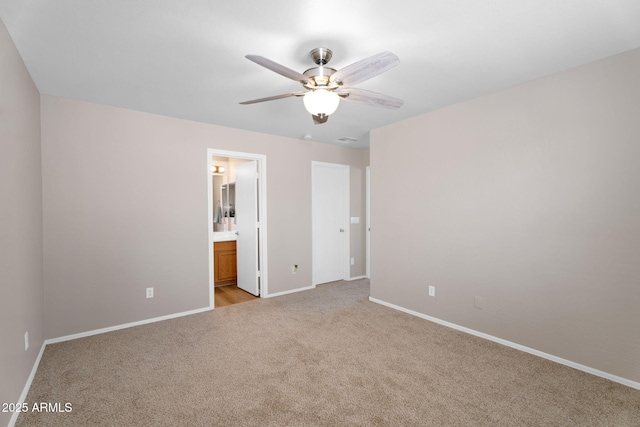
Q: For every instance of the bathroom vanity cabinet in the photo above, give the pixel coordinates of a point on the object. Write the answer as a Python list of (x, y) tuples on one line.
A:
[(224, 263)]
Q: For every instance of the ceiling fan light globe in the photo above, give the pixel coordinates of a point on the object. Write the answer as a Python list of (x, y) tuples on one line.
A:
[(321, 102)]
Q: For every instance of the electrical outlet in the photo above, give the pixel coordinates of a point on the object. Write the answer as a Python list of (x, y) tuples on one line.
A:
[(432, 291), (294, 269), (149, 292), (353, 261), (26, 341)]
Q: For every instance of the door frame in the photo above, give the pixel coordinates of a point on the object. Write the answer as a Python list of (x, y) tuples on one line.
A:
[(346, 247), (261, 159), (367, 229)]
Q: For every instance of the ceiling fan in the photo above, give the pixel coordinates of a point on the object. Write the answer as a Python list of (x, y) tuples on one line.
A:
[(326, 86)]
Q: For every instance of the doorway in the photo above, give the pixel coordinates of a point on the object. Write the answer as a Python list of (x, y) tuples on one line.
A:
[(330, 220), (237, 226)]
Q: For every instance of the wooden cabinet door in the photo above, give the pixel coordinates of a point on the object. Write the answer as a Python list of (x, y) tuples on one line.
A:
[(224, 264)]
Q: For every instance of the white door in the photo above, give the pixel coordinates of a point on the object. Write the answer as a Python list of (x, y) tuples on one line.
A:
[(330, 218), (247, 226)]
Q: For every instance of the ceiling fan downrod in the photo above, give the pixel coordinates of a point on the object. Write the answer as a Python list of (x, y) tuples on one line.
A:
[(319, 76)]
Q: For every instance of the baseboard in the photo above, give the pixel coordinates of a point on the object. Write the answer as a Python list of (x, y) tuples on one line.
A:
[(125, 326), (529, 350), (292, 291), (27, 386), (308, 288)]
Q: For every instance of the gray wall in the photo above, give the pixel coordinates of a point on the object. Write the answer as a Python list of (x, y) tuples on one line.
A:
[(529, 199), (21, 277), (125, 208)]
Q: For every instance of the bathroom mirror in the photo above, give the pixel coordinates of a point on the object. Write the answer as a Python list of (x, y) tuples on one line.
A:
[(224, 212), (228, 192)]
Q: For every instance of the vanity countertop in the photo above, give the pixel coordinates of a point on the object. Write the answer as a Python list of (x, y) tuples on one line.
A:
[(224, 236)]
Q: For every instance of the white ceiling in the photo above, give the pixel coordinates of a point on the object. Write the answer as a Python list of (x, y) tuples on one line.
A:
[(186, 58)]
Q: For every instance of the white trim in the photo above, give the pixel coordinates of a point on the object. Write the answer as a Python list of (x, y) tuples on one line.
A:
[(292, 291), (346, 218), (350, 279), (262, 208), (520, 347), (124, 326), (27, 386), (210, 223), (367, 226)]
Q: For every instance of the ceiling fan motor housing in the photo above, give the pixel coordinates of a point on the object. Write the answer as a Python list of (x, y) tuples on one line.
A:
[(319, 76)]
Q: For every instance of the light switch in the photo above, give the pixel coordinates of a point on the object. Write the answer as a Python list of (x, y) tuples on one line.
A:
[(478, 302), (355, 220)]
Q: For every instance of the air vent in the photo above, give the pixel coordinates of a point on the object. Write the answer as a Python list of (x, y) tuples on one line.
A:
[(347, 139)]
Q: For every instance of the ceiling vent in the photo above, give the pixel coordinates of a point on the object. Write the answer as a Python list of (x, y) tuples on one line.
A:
[(347, 139)]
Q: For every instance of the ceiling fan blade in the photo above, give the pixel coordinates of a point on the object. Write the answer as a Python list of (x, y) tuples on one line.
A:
[(318, 120), (365, 69), (273, 98), (367, 97), (280, 69)]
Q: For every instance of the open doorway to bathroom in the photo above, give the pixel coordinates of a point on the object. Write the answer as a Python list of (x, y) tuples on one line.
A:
[(237, 232)]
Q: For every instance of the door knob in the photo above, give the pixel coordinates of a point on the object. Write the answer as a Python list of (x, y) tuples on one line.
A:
[(342, 230)]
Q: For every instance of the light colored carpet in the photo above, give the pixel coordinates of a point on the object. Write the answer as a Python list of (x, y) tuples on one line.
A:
[(325, 357)]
